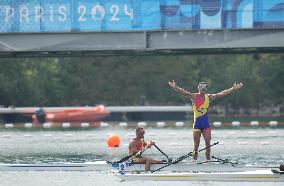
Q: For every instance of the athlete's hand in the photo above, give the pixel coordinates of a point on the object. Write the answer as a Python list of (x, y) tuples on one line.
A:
[(151, 143), (172, 83), (237, 86)]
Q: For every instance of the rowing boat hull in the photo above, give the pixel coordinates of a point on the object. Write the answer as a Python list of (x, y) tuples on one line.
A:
[(246, 176), (190, 167), (128, 167)]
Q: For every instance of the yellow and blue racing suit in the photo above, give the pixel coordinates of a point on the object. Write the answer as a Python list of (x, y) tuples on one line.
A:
[(200, 111)]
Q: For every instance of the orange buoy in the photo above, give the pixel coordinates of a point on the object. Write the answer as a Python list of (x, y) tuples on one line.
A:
[(113, 141)]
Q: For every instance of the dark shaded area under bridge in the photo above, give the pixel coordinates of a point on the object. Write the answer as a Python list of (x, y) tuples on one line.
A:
[(141, 43)]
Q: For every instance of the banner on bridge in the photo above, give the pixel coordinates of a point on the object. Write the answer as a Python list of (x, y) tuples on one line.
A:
[(131, 15)]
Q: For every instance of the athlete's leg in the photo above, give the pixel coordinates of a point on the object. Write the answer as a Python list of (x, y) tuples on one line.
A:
[(147, 162), (196, 139), (206, 133), (156, 161), (141, 160)]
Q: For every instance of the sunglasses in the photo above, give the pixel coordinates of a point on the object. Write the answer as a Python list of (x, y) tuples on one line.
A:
[(203, 86)]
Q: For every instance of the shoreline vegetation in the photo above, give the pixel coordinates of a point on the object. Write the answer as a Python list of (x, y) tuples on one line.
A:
[(143, 80)]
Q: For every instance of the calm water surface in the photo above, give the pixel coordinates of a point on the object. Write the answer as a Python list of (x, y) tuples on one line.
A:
[(257, 146)]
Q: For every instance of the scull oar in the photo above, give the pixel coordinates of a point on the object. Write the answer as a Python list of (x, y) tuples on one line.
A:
[(183, 157), (224, 160), (169, 159), (122, 159), (139, 153), (131, 157)]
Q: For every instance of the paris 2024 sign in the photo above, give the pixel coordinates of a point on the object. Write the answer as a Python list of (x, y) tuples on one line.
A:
[(132, 15)]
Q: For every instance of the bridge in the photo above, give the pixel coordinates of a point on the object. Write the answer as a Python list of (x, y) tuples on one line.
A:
[(62, 28)]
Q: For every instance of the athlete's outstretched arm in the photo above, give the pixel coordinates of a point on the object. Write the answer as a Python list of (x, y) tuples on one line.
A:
[(181, 90), (235, 87)]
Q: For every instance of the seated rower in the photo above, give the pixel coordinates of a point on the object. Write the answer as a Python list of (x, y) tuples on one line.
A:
[(138, 144), (281, 168)]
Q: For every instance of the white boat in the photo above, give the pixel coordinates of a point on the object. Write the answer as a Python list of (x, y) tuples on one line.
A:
[(244, 176), (128, 167)]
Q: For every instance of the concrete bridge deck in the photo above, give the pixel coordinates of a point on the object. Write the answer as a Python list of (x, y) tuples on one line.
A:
[(141, 42)]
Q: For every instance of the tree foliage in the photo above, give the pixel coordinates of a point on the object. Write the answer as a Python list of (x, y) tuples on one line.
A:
[(138, 80)]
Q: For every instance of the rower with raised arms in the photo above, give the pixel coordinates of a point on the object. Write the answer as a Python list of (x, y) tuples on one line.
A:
[(200, 105), (137, 144)]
